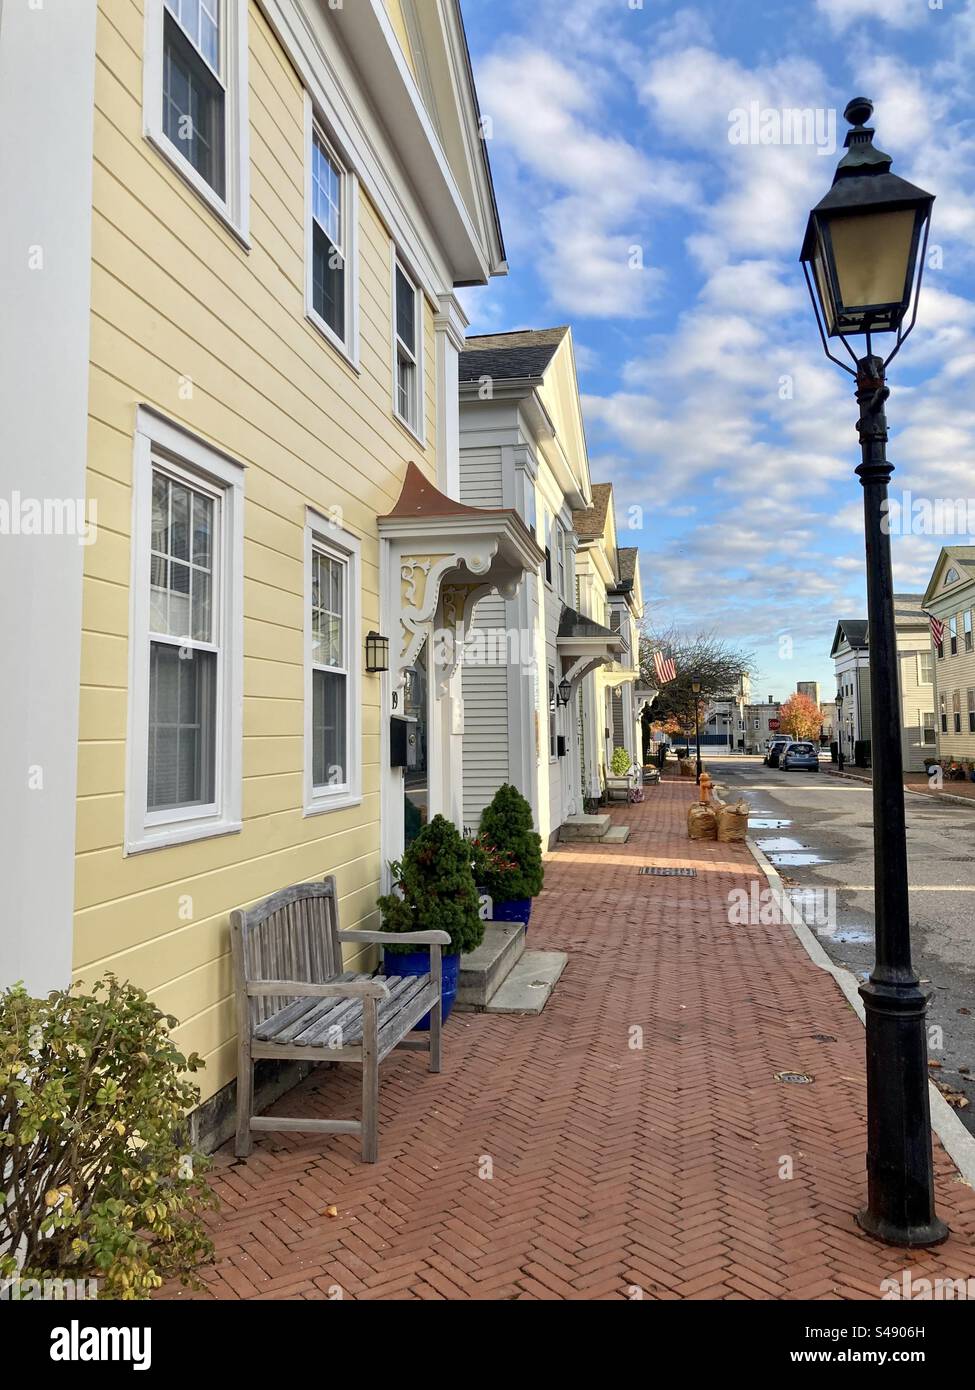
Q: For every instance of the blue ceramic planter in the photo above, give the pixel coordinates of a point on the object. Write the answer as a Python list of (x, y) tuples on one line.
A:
[(418, 963), (517, 910)]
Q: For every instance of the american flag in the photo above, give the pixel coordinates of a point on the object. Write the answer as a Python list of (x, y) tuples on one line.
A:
[(664, 667), (937, 630)]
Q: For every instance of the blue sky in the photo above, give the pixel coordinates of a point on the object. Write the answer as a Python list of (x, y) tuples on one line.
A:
[(671, 249)]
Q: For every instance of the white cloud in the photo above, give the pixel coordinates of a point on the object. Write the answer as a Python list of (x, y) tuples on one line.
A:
[(899, 14)]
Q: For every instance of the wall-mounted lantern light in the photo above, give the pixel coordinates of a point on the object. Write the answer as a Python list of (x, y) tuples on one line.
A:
[(565, 691), (377, 652)]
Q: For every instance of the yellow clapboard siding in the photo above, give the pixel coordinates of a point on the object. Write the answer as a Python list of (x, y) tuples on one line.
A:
[(215, 337)]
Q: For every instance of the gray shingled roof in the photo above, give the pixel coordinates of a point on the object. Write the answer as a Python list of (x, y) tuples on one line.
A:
[(908, 609), (627, 558), (591, 523), (526, 352), (505, 364), (854, 630)]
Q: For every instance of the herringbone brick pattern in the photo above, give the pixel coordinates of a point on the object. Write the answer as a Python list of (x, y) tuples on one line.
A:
[(569, 1156)]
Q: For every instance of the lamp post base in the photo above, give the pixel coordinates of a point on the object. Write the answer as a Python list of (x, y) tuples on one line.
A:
[(910, 1237), (900, 1206)]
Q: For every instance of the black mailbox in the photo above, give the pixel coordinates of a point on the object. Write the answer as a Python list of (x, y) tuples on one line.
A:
[(402, 741), (560, 745)]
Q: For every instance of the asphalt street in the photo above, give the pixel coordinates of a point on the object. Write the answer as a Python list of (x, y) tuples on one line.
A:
[(818, 831)]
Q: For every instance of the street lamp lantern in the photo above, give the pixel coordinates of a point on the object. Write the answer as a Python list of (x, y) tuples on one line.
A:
[(696, 687), (862, 240), (862, 256)]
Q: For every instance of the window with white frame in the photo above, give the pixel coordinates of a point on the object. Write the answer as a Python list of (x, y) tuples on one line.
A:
[(928, 735), (953, 634), (333, 769), (956, 711), (195, 97), (408, 395), (925, 674), (943, 709), (560, 545), (186, 640), (553, 716), (967, 624), (547, 533), (330, 241), (971, 710)]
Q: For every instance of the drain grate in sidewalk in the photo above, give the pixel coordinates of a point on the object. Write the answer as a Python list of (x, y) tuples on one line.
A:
[(666, 872)]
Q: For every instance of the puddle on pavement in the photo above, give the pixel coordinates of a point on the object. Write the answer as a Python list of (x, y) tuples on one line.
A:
[(767, 823), (797, 859), (783, 850)]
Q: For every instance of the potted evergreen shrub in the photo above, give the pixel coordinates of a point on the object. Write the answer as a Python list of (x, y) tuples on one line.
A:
[(434, 891), (620, 778), (507, 825)]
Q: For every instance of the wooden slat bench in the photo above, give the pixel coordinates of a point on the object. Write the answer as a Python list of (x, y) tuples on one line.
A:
[(295, 1002)]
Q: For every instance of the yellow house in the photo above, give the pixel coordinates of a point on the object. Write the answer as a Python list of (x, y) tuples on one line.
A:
[(950, 597), (232, 330), (609, 592)]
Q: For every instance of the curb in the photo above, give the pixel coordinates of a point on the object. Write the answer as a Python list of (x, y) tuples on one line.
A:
[(955, 1138), (932, 796)]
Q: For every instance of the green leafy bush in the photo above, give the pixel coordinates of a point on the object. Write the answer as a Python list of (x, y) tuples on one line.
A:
[(621, 762), (507, 824), (436, 890), (94, 1179)]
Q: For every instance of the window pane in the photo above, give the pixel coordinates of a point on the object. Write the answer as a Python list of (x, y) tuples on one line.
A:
[(181, 588), (326, 182), (405, 311), (182, 712), (193, 107), (328, 729), (406, 389), (328, 281)]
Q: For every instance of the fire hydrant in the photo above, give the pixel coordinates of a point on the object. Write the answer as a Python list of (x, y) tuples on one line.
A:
[(705, 789)]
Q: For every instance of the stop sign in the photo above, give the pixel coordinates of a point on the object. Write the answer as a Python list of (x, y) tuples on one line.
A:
[(773, 723)]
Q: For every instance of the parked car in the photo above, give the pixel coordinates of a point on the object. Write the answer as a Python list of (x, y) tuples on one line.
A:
[(799, 755), (775, 748)]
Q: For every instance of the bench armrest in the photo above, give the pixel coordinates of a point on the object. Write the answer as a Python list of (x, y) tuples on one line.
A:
[(334, 989), (399, 938)]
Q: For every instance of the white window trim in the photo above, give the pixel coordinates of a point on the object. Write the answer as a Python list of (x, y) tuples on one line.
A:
[(419, 433), (327, 536), (552, 757), (348, 349), (185, 455), (234, 209)]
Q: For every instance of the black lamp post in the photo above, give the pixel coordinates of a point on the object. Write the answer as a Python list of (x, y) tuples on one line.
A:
[(863, 256), (696, 688)]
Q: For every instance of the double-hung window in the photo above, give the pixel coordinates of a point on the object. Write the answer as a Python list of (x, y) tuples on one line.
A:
[(185, 680), (407, 350), (967, 625), (553, 717), (195, 97), (956, 711), (928, 735), (330, 244), (943, 709), (953, 634), (333, 766), (925, 673), (560, 558), (971, 710)]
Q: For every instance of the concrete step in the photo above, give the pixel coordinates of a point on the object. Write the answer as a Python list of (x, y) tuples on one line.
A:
[(530, 983), (584, 828), (615, 835), (483, 970)]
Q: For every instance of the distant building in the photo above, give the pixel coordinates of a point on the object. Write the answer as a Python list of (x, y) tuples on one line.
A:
[(809, 689), (950, 596), (761, 724), (915, 677)]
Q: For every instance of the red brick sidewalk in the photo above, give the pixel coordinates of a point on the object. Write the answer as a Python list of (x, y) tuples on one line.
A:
[(613, 1167)]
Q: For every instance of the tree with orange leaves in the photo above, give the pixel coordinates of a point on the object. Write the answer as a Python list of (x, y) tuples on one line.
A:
[(801, 717)]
